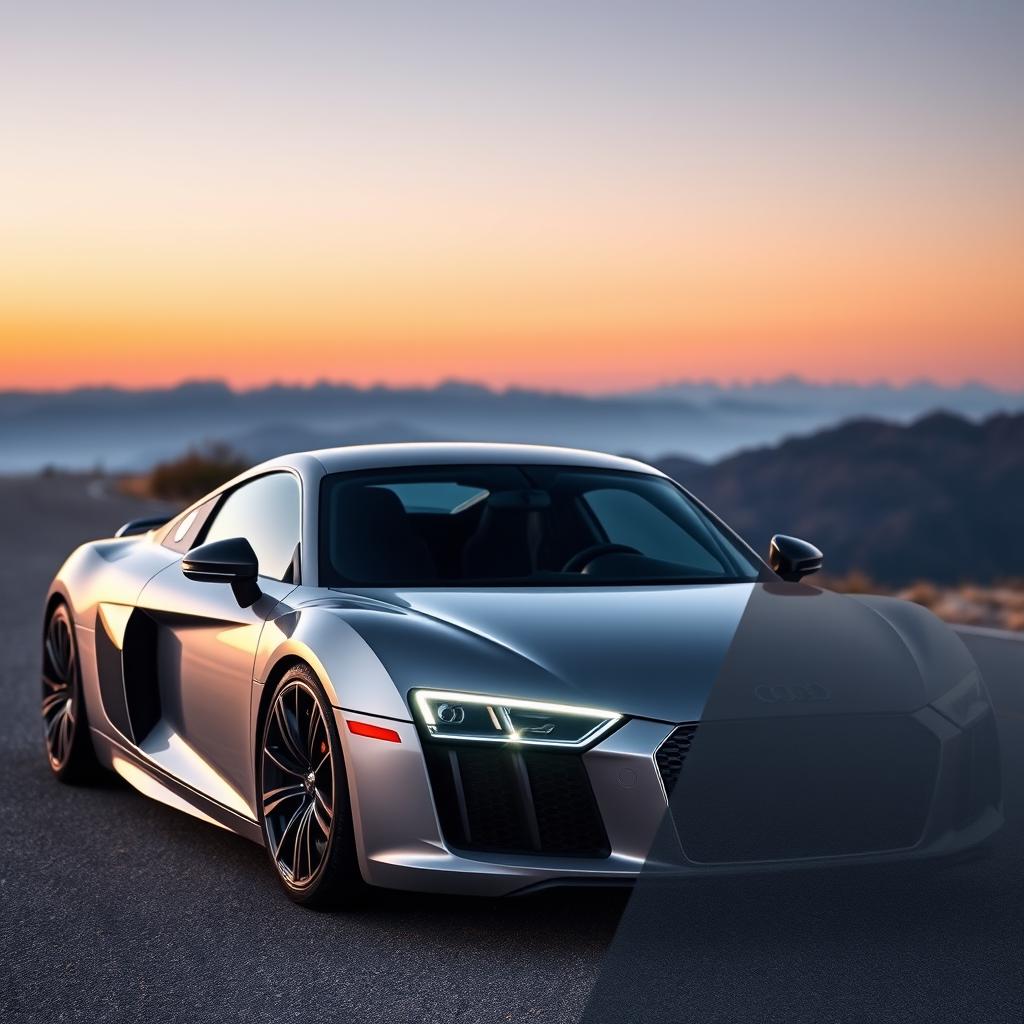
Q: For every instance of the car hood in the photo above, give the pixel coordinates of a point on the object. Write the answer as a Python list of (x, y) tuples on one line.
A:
[(673, 653)]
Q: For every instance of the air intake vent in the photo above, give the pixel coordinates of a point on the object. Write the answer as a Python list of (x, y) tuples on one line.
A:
[(498, 800), (672, 753)]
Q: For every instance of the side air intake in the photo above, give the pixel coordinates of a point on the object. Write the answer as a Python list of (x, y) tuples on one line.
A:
[(672, 753)]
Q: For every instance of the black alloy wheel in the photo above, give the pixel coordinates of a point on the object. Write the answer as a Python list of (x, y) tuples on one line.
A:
[(69, 748), (304, 806)]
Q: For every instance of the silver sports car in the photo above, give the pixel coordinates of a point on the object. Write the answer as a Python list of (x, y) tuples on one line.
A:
[(485, 668)]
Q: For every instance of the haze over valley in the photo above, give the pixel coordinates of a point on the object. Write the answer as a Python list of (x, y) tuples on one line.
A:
[(128, 430)]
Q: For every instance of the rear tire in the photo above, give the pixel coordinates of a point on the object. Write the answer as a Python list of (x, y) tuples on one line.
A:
[(69, 750), (304, 806)]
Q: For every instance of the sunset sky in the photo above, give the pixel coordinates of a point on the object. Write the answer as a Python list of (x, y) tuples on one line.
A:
[(580, 195)]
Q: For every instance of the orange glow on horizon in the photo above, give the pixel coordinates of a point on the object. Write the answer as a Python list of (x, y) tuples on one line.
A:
[(750, 210), (576, 311)]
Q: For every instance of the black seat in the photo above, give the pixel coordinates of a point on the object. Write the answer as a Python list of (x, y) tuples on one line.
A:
[(375, 539), (503, 545)]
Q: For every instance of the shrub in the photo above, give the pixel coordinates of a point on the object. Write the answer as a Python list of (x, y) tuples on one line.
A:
[(195, 473), (853, 582)]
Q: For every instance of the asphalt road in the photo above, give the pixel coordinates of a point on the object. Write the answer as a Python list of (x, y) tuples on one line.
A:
[(113, 907), (905, 944)]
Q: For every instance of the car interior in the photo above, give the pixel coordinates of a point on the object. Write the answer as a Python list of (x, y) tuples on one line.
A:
[(510, 523)]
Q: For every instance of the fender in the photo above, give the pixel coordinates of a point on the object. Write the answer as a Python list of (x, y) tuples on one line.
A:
[(101, 571), (350, 672), (941, 657)]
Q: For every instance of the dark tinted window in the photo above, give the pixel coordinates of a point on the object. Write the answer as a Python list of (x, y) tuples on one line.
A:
[(518, 526), (266, 511), (629, 518)]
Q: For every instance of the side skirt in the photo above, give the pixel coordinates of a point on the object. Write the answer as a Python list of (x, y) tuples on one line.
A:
[(152, 781)]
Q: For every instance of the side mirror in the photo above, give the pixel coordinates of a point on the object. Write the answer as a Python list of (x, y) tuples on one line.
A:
[(226, 561), (792, 558)]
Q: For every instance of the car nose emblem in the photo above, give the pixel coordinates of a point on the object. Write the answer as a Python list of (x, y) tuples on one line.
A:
[(804, 693)]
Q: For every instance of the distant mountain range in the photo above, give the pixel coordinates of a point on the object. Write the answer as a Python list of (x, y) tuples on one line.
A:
[(941, 499), (130, 430), (904, 484), (888, 401)]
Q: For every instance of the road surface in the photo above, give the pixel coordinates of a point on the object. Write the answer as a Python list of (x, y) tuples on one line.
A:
[(117, 908)]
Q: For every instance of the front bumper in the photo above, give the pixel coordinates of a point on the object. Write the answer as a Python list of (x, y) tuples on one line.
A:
[(402, 844)]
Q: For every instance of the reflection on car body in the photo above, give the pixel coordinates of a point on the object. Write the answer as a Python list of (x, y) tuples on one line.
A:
[(485, 668)]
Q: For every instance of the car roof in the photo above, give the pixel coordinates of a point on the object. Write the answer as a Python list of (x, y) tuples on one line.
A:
[(382, 456)]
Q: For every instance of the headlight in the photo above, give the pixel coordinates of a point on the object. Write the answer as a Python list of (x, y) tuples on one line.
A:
[(473, 716), (965, 703)]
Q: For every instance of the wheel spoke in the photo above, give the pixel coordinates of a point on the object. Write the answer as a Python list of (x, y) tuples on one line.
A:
[(52, 725), (325, 826), (58, 647), (54, 684), (62, 736), (301, 845), (317, 727), (284, 835), (54, 701), (51, 652), (309, 837), (286, 765), (288, 737), (53, 739), (275, 797), (296, 858), (318, 798)]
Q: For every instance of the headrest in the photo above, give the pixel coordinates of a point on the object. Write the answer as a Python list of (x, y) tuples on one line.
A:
[(369, 502), (521, 501)]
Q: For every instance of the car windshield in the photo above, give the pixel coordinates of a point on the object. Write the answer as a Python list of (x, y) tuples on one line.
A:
[(507, 525)]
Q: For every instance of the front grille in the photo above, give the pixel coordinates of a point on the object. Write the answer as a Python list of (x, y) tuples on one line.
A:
[(672, 753), (497, 800), (805, 786)]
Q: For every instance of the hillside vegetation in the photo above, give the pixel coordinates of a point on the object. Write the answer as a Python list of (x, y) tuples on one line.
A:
[(941, 499)]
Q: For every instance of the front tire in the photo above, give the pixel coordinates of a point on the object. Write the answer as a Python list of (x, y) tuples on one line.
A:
[(69, 749), (304, 805)]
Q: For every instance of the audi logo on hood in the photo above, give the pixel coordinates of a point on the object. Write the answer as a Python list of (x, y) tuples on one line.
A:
[(798, 694)]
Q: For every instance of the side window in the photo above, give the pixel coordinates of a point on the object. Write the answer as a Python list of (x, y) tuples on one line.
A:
[(630, 519), (266, 512), (181, 536)]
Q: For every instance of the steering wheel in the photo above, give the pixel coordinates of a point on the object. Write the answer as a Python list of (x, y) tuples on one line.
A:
[(583, 558)]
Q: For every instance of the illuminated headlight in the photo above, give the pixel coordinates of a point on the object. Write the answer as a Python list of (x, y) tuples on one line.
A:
[(472, 716), (965, 703)]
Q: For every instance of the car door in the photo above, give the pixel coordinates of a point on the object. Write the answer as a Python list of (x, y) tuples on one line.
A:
[(205, 643)]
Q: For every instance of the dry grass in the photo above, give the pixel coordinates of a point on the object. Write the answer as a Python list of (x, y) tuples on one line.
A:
[(999, 606)]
